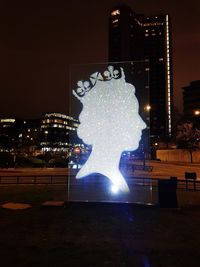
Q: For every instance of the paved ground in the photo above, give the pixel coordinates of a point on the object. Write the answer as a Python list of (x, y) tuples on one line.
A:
[(97, 234), (84, 234), (160, 170)]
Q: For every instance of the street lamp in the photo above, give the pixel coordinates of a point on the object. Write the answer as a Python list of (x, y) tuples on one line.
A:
[(197, 112), (46, 133), (147, 107)]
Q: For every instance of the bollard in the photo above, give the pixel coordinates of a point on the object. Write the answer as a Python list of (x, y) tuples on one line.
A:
[(190, 177), (167, 193)]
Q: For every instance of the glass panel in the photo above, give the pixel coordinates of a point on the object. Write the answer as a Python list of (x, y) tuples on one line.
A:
[(108, 152)]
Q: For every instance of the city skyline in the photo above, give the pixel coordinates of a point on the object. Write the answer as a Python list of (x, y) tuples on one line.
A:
[(39, 42)]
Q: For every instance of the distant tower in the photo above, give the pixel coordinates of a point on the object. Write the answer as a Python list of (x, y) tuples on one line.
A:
[(191, 99), (134, 37)]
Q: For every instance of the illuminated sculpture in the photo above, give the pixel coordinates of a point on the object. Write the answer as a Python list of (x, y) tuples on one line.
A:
[(109, 122)]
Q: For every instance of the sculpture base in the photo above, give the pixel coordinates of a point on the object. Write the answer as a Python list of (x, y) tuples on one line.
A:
[(98, 188)]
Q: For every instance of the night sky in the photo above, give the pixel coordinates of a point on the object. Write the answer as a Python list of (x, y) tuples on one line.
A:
[(39, 40)]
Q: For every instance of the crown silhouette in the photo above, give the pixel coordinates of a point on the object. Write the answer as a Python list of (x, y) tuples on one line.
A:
[(85, 86)]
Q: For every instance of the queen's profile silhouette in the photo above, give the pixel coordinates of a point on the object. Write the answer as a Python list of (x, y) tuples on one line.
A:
[(109, 122)]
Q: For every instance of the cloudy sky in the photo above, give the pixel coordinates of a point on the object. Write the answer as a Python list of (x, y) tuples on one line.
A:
[(40, 40)]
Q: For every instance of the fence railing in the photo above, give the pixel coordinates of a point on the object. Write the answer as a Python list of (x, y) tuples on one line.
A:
[(182, 184), (34, 179)]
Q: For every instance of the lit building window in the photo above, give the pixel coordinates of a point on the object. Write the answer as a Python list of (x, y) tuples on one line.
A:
[(115, 21), (168, 74), (115, 12), (152, 24), (7, 120)]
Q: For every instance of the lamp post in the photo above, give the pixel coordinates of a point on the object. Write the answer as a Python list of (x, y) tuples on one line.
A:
[(46, 133), (146, 133)]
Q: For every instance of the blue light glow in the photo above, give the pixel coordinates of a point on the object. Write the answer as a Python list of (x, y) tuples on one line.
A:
[(114, 189)]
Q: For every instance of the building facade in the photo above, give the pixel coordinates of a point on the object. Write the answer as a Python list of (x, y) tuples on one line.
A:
[(134, 37), (53, 133), (7, 134), (56, 132), (191, 99)]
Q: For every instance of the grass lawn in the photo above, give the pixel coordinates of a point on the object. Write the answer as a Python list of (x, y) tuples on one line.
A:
[(35, 194), (93, 234)]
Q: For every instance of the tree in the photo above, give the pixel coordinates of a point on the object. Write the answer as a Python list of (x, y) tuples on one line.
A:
[(188, 137)]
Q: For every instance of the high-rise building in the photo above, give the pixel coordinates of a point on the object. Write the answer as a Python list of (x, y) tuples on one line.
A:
[(191, 99), (147, 39)]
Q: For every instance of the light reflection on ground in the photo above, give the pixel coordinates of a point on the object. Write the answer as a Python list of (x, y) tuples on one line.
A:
[(15, 206)]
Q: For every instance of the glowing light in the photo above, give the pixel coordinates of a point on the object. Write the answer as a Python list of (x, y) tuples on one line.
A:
[(63, 116), (168, 74), (147, 108), (109, 122), (114, 189), (77, 150), (7, 120), (197, 112), (115, 12), (115, 21)]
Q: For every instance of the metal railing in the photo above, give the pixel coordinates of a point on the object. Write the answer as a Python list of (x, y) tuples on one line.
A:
[(34, 179), (182, 184)]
